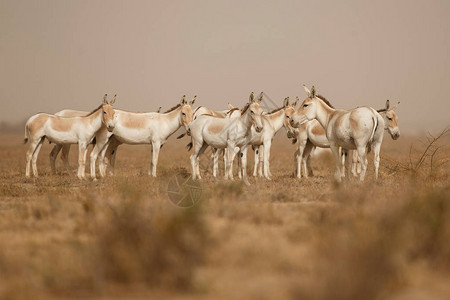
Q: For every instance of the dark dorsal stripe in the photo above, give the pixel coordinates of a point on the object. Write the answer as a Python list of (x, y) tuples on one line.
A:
[(173, 108)]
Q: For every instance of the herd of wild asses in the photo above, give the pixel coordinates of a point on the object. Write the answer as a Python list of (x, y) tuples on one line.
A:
[(315, 123)]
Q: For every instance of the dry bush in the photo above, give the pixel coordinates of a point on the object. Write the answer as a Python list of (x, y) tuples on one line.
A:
[(141, 243), (86, 243), (429, 160), (363, 246)]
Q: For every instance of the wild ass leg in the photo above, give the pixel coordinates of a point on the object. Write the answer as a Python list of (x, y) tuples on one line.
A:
[(354, 162), (243, 153), (346, 155), (239, 163), (65, 156), (376, 158), (231, 149), (295, 162), (338, 160), (225, 162), (307, 159), (155, 151), (29, 156), (82, 151), (197, 162), (363, 160), (111, 154), (100, 148), (261, 162), (215, 155), (301, 149), (35, 156), (255, 168), (197, 145), (266, 146), (53, 155)]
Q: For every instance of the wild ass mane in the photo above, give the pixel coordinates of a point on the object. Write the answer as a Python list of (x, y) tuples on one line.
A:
[(275, 110), (245, 108), (173, 108), (100, 106), (325, 100)]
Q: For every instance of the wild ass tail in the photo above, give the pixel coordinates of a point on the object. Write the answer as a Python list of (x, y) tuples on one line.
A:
[(375, 126), (189, 146), (27, 134)]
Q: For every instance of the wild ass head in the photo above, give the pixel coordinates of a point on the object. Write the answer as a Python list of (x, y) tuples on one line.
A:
[(254, 110), (391, 120), (308, 110), (186, 112), (108, 113), (289, 110)]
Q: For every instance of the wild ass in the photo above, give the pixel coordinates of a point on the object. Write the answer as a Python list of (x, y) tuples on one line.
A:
[(262, 141), (230, 133), (59, 130), (202, 110), (390, 124), (66, 113), (141, 128), (354, 129)]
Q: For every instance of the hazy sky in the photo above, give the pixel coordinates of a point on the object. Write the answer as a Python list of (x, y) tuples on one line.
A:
[(67, 54)]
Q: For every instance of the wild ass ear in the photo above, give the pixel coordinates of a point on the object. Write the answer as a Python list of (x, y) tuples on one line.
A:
[(193, 100), (286, 102), (183, 99), (387, 104), (261, 96), (396, 105), (313, 92), (230, 106), (251, 98), (307, 90), (295, 102), (159, 109), (113, 100), (104, 99)]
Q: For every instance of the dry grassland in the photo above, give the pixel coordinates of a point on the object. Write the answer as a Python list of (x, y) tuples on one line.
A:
[(281, 239)]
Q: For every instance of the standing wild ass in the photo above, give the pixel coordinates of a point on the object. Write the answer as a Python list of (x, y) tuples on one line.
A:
[(230, 133), (59, 130), (354, 129), (390, 124), (141, 128), (311, 134), (272, 122), (66, 113)]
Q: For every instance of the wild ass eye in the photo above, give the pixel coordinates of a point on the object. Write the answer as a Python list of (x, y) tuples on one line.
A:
[(183, 113), (104, 112), (252, 112), (390, 119), (305, 105)]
